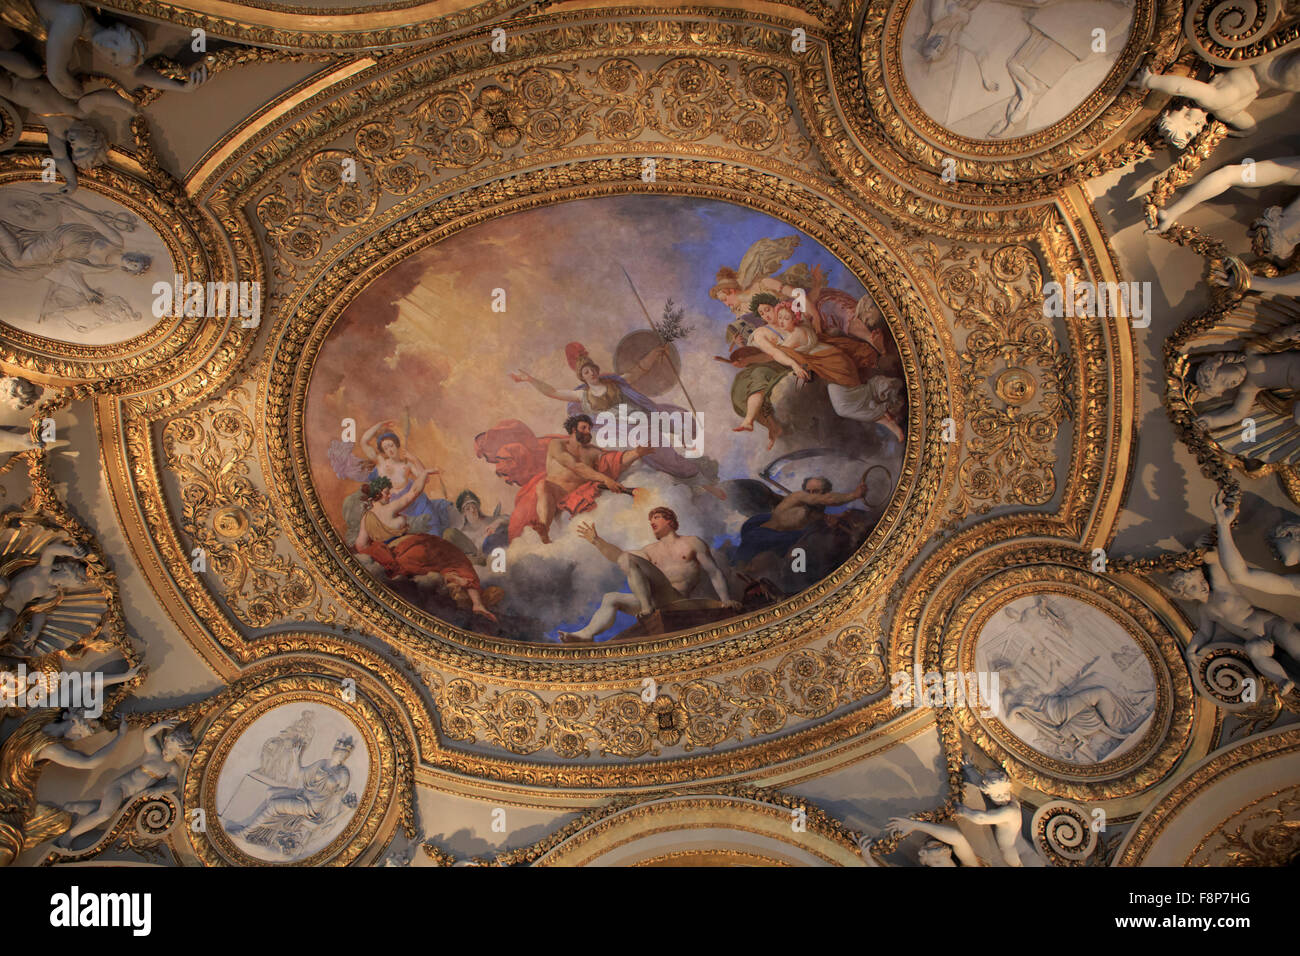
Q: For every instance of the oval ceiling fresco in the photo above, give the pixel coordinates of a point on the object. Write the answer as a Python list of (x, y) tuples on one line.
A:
[(607, 420)]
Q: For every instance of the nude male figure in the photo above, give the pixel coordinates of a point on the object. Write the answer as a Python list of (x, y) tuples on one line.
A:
[(1003, 817), (1223, 606), (798, 510), (673, 568), (1286, 542)]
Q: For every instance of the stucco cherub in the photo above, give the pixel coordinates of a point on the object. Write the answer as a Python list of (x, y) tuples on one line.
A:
[(1002, 816), (61, 25), (75, 142), (1224, 611), (158, 772)]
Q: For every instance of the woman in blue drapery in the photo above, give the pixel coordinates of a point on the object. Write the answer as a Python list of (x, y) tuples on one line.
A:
[(389, 460)]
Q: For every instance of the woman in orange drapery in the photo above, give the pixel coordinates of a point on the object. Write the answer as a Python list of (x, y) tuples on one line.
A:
[(383, 536)]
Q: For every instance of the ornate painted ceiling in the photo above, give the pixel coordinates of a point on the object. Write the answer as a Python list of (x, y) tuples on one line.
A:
[(764, 433)]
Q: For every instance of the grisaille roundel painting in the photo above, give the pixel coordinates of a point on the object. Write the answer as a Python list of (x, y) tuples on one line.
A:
[(610, 419)]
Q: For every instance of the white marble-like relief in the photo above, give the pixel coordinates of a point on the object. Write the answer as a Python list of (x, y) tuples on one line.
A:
[(1073, 684), (985, 69), (292, 782), (77, 268)]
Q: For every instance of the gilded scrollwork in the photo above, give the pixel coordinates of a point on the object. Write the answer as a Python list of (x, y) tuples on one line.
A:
[(695, 714), (1233, 33), (231, 523), (1255, 836), (1064, 833), (1017, 377), (207, 451), (469, 124), (738, 100), (635, 813), (1247, 756)]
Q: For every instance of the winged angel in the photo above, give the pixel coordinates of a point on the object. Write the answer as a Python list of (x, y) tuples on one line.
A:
[(831, 311)]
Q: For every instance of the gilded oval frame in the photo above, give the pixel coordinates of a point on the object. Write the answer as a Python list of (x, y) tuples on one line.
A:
[(891, 545)]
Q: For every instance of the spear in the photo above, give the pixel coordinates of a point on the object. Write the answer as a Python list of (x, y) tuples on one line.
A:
[(656, 331)]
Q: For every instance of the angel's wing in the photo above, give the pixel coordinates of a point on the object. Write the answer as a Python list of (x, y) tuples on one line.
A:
[(798, 276), (750, 496), (347, 465), (765, 257)]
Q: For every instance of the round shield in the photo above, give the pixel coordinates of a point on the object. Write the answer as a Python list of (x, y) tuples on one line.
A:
[(660, 376)]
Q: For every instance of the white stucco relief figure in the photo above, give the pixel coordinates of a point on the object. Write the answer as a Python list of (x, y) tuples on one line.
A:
[(291, 814), (1242, 381), (1001, 815), (996, 69), (26, 753), (76, 268), (1083, 718), (1229, 94), (61, 27), (1278, 228), (1225, 614), (276, 800), (159, 771), (1072, 683)]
